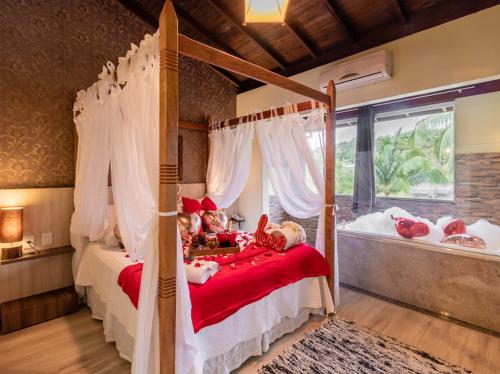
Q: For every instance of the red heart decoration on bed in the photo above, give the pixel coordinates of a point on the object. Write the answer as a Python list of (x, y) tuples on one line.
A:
[(263, 239), (455, 227), (409, 228)]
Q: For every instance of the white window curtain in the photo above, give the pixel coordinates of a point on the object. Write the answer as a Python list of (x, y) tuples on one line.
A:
[(295, 174), (229, 163)]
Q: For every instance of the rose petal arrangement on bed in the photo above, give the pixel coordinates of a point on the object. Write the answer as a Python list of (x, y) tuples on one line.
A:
[(273, 257), (481, 235)]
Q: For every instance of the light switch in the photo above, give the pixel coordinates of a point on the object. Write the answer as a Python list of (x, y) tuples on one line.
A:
[(46, 239)]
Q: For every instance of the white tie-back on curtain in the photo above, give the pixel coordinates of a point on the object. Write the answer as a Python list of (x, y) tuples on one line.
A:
[(229, 163), (129, 119)]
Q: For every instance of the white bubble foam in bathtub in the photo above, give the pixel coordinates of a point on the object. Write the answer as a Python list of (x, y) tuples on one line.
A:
[(375, 223), (382, 223), (487, 231), (443, 221)]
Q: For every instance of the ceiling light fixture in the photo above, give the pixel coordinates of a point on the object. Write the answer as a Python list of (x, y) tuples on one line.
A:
[(265, 11)]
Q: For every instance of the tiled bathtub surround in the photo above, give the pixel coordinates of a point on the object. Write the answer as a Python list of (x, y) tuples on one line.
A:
[(455, 283)]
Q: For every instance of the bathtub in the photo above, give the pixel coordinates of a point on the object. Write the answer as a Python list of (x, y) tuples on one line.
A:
[(457, 283)]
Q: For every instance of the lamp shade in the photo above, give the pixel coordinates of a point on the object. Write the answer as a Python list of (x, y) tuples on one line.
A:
[(265, 11), (11, 224)]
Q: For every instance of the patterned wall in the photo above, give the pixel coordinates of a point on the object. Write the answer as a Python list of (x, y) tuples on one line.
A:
[(51, 49)]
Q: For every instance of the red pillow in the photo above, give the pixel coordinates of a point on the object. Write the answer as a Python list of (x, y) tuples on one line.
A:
[(207, 204), (191, 205)]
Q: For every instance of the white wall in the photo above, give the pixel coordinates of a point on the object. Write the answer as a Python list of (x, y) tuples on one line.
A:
[(477, 124), (466, 49)]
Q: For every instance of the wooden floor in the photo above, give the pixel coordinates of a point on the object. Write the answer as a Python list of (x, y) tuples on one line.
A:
[(75, 344)]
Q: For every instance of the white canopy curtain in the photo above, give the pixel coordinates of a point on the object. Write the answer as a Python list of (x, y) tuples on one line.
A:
[(121, 124), (229, 163), (296, 174)]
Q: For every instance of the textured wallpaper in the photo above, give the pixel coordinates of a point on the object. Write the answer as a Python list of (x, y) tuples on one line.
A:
[(51, 49)]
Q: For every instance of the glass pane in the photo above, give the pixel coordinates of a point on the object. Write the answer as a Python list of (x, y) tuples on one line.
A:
[(345, 156), (414, 156)]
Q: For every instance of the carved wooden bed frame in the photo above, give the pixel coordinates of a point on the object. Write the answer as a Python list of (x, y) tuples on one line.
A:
[(171, 44)]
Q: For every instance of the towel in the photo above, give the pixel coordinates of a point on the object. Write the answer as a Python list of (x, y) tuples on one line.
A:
[(293, 232), (198, 272)]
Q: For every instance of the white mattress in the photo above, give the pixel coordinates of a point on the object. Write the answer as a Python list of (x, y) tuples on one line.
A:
[(223, 346)]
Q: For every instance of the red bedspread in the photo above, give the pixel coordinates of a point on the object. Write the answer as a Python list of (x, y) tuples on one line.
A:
[(243, 279)]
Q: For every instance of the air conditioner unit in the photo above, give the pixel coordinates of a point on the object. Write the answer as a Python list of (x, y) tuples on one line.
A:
[(368, 69)]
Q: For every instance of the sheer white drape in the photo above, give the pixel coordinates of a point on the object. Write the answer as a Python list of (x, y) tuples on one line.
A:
[(129, 125), (296, 175), (92, 166), (289, 160), (91, 174), (229, 163)]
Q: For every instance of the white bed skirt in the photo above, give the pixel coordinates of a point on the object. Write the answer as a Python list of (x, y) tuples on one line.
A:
[(116, 332)]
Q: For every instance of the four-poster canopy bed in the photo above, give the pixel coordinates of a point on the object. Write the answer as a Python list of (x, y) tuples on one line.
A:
[(171, 44)]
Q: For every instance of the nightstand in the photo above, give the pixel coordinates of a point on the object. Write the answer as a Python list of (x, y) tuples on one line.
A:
[(36, 287)]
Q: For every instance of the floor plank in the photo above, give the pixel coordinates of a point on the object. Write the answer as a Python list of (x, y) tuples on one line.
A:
[(75, 343)]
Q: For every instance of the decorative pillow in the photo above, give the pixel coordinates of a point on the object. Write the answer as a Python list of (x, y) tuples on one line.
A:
[(214, 222), (263, 239), (191, 205), (207, 204), (189, 224)]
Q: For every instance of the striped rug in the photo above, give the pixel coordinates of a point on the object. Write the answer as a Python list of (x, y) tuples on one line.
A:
[(342, 347)]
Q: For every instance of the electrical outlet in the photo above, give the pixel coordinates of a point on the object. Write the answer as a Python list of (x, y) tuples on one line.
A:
[(46, 239), (26, 239)]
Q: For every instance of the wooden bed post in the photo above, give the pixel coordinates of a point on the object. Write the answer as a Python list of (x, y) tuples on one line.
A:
[(168, 186), (330, 183)]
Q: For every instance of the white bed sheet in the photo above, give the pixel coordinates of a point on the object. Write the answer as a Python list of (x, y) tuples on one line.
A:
[(258, 323)]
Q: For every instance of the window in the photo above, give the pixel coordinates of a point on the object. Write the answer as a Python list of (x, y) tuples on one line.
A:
[(345, 151), (345, 156), (414, 153)]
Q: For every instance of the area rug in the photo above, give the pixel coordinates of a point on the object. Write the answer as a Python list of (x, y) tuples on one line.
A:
[(340, 347)]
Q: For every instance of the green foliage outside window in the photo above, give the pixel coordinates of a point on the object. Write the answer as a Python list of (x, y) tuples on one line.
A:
[(405, 159)]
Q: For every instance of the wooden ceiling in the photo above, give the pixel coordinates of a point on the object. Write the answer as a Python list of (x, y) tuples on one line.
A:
[(316, 31)]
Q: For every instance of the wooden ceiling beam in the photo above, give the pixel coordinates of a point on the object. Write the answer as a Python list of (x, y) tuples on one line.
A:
[(153, 22), (184, 17), (190, 21), (300, 37), (429, 17), (270, 52), (398, 10), (340, 19)]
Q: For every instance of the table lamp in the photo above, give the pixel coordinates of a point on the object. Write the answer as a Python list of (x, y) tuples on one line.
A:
[(11, 232)]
